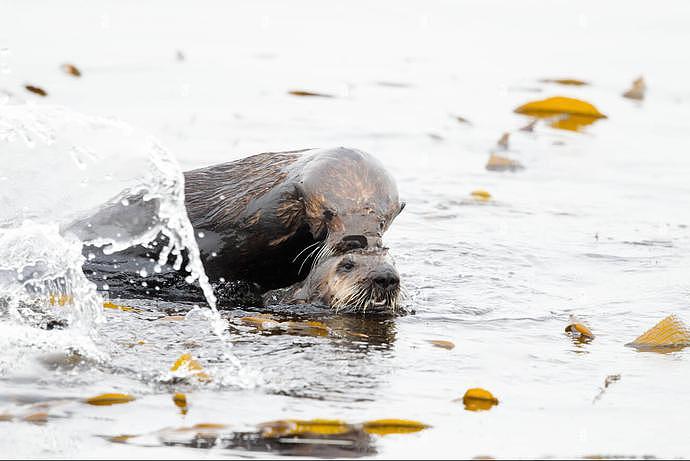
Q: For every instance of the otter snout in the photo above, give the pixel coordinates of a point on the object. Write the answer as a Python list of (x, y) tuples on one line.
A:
[(386, 279)]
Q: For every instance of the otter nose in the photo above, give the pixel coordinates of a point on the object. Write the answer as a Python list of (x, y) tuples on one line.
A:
[(386, 279)]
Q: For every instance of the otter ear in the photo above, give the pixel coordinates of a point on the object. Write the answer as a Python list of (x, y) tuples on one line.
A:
[(299, 192)]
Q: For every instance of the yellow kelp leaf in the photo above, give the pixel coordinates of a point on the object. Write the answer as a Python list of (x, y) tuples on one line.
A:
[(637, 90), (462, 120), (261, 322), (60, 300), (442, 344), (498, 163), (477, 399), (289, 427), (572, 122), (565, 81), (309, 93), (392, 426), (579, 330), (180, 401), (6, 417), (480, 194), (209, 426), (671, 332), (310, 328), (110, 399), (121, 438), (71, 69), (202, 427), (186, 364), (110, 305), (185, 361), (559, 105)]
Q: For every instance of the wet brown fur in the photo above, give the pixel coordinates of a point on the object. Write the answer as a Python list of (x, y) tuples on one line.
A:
[(257, 214)]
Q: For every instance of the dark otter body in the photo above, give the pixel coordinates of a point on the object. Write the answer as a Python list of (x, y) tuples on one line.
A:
[(266, 219), (257, 214)]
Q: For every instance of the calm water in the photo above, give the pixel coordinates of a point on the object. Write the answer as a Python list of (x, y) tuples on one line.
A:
[(596, 225)]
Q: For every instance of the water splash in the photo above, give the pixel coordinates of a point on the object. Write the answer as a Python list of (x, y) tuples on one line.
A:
[(59, 168)]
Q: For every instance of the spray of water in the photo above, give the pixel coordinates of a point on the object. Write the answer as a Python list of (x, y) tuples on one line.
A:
[(58, 168)]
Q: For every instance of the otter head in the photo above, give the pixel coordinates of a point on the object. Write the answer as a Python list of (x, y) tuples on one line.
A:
[(361, 281), (349, 199)]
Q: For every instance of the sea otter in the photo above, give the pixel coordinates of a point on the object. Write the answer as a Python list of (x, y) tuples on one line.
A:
[(362, 281), (266, 220)]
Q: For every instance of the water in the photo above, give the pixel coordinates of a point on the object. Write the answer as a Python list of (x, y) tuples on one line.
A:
[(596, 225)]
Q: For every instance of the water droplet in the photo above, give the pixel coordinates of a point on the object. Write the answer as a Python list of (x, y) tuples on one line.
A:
[(92, 256), (105, 286), (157, 269), (214, 254), (201, 235), (143, 273), (124, 202), (221, 280), (144, 284)]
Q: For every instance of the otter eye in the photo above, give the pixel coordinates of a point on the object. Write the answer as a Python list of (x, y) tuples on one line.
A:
[(329, 214), (347, 266)]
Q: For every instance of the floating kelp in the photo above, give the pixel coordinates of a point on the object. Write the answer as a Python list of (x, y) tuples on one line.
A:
[(669, 335), (110, 305), (323, 438), (579, 331), (562, 113), (180, 401), (110, 399), (186, 366), (71, 69), (610, 379), (480, 194), (503, 141), (478, 399), (36, 90), (310, 94), (442, 344), (294, 427), (267, 323), (637, 90), (559, 105), (392, 426), (36, 418), (571, 122), (565, 81), (499, 163)]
